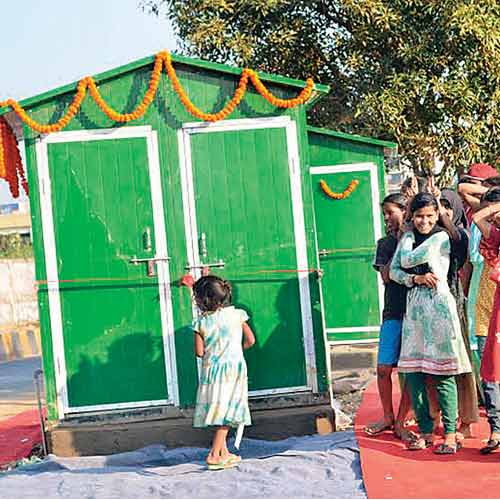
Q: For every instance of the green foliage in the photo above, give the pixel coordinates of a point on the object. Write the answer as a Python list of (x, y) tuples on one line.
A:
[(424, 73), (13, 247)]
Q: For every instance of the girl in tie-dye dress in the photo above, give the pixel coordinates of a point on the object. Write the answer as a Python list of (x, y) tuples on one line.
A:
[(221, 334)]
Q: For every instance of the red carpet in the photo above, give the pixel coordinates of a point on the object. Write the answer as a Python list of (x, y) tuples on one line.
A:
[(390, 471), (18, 435)]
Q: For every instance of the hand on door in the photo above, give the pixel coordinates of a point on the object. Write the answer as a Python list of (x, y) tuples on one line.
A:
[(187, 280)]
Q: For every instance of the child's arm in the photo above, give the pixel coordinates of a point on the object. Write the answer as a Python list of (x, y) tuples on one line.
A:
[(475, 190), (382, 260), (248, 336), (199, 345), (471, 194), (480, 218)]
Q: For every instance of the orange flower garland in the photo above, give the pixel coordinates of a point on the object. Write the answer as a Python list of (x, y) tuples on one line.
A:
[(276, 101), (3, 161), (11, 168), (339, 196), (191, 108), (160, 59)]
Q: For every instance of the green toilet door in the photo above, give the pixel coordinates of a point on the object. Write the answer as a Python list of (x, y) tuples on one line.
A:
[(111, 321), (244, 212), (347, 232)]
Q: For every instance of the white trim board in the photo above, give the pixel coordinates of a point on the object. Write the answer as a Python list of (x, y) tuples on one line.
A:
[(353, 329), (118, 406), (50, 250), (237, 124), (188, 197)]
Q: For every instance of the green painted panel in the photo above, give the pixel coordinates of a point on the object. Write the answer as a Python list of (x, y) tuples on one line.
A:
[(110, 308), (243, 205), (345, 233)]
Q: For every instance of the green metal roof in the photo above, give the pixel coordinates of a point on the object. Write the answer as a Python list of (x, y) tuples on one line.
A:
[(352, 137), (188, 61)]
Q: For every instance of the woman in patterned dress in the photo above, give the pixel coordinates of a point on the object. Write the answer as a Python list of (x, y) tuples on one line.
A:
[(432, 342), (221, 334), (487, 219)]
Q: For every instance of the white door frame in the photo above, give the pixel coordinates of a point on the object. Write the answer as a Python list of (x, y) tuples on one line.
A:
[(52, 273), (190, 222), (377, 232)]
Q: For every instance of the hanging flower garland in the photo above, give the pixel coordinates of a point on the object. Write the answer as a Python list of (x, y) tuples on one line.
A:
[(339, 196), (10, 162), (162, 58), (11, 166)]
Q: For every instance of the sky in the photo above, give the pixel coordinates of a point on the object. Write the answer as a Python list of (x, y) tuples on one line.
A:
[(49, 43)]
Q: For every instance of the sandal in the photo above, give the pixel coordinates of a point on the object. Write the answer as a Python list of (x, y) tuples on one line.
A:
[(419, 444), (447, 449), (223, 464), (233, 458), (377, 428), (491, 446)]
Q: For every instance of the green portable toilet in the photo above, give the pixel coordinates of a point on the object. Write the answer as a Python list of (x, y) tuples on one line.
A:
[(347, 231), (121, 212)]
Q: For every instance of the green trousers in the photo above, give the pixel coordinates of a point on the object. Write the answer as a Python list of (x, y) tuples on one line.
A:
[(446, 388)]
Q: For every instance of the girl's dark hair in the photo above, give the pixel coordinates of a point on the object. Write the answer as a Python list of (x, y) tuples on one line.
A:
[(492, 181), (396, 199), (492, 195), (211, 293), (422, 200), (446, 204)]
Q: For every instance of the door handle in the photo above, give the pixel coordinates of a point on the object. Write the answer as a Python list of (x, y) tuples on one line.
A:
[(146, 240), (219, 264), (203, 245), (344, 251), (134, 260), (150, 261)]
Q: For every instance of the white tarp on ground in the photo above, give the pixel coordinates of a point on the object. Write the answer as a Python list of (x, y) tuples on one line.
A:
[(299, 467)]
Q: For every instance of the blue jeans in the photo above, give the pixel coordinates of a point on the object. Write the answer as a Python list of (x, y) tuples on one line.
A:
[(492, 403), (481, 342)]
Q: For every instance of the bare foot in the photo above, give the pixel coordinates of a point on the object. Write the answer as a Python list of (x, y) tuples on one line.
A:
[(379, 427), (466, 431), (213, 459)]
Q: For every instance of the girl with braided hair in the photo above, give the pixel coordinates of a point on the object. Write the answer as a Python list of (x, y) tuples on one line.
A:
[(221, 333)]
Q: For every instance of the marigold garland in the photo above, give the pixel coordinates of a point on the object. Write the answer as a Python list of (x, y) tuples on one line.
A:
[(162, 58), (339, 196), (11, 168)]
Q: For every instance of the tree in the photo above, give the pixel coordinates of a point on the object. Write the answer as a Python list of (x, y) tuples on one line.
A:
[(424, 73)]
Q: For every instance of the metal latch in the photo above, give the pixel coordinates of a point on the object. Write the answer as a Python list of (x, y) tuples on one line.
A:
[(150, 261), (219, 264)]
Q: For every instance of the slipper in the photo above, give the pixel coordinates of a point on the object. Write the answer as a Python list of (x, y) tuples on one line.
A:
[(377, 428), (418, 444), (223, 464), (491, 445), (233, 458), (447, 449)]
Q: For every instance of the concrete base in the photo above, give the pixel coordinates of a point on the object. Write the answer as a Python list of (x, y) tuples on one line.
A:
[(103, 439)]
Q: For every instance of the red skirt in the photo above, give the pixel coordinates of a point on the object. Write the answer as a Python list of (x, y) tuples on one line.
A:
[(490, 363)]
